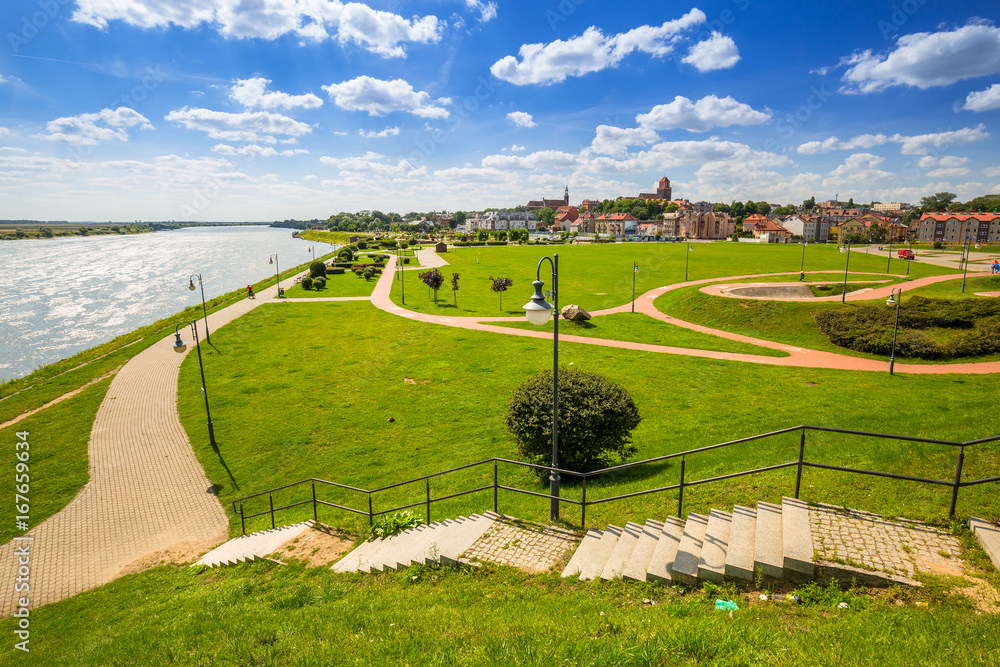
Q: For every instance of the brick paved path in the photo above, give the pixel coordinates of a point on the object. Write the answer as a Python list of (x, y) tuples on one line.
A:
[(868, 541), (147, 500), (533, 549)]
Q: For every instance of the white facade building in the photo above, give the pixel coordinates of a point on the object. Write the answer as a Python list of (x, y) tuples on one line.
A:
[(493, 221)]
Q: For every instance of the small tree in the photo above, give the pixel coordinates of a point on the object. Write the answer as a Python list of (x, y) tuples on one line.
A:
[(596, 419), (500, 286), (433, 279), (317, 270), (319, 282), (454, 287), (346, 254), (307, 283)]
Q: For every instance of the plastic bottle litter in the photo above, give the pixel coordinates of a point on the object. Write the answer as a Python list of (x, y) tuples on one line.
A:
[(787, 597), (725, 605)]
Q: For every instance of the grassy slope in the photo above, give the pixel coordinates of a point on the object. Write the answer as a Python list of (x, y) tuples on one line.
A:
[(291, 399), (262, 614), (59, 436)]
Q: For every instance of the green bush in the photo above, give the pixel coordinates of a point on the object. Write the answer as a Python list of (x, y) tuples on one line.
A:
[(937, 245), (596, 419), (319, 282), (406, 260), (338, 271), (307, 283), (362, 245), (388, 525), (369, 272), (346, 254), (317, 269)]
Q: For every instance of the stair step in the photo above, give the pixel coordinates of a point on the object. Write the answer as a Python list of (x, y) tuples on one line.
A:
[(665, 551), (583, 552), (988, 536), (685, 565), (622, 552), (425, 550), (712, 562), (397, 560), (460, 539), (796, 537), (742, 536), (638, 562), (599, 556), (768, 553)]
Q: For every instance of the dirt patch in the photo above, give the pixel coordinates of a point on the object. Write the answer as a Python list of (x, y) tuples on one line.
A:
[(985, 597), (318, 546), (179, 552), (773, 291)]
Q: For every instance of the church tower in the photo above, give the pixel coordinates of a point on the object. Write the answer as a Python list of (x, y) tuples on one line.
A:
[(566, 196), (663, 189)]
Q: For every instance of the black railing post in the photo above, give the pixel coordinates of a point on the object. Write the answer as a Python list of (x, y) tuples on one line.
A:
[(270, 499), (495, 478), (371, 514), (802, 453), (958, 482), (583, 506), (428, 502), (315, 515), (680, 493), (243, 521)]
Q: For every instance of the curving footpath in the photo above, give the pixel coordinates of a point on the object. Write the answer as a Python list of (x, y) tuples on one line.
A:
[(148, 500), (797, 356)]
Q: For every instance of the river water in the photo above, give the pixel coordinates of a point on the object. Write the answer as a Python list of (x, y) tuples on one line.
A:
[(60, 296)]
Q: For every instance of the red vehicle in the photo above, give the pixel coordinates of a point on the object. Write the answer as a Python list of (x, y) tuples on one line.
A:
[(906, 254)]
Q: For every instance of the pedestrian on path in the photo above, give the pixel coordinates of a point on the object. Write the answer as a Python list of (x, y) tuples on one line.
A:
[(250, 292), (996, 266)]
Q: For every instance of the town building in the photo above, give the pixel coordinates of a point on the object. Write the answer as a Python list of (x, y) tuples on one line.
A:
[(766, 229), (982, 228), (615, 224), (538, 204), (662, 191), (809, 227), (493, 221), (690, 224), (892, 207)]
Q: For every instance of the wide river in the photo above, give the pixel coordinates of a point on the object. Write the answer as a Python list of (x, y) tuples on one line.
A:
[(60, 296)]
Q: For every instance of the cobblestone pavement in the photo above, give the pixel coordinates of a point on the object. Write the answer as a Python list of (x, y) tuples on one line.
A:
[(871, 542), (530, 548)]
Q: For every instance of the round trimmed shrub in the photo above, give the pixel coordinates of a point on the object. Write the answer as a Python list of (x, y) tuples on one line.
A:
[(317, 269), (596, 419), (307, 283), (319, 282)]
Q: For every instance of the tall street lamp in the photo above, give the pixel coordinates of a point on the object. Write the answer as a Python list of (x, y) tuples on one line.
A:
[(635, 270), (273, 259), (889, 258), (208, 337), (687, 260), (802, 267), (966, 271), (312, 251), (898, 293), (845, 248), (179, 347), (399, 265), (537, 311)]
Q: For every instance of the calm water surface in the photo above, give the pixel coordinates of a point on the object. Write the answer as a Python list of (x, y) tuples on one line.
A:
[(61, 296)]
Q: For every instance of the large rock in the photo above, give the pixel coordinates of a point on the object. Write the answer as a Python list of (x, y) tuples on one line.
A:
[(575, 313)]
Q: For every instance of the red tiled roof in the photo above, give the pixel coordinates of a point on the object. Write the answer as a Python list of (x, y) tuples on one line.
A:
[(961, 217)]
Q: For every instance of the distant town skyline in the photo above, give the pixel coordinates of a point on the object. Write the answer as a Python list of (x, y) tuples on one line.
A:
[(223, 110)]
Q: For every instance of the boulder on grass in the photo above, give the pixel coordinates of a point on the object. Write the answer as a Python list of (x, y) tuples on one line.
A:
[(575, 313)]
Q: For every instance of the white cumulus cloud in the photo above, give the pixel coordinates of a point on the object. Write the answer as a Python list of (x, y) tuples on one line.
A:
[(983, 100), (248, 126), (924, 60), (254, 150), (590, 52), (701, 116), (252, 93), (375, 164), (372, 134), (487, 10), (513, 149), (909, 145), (717, 52), (522, 119), (378, 97), (355, 23), (89, 128), (834, 144)]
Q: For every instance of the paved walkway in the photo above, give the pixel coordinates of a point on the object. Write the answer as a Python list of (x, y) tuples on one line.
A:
[(148, 500), (797, 356)]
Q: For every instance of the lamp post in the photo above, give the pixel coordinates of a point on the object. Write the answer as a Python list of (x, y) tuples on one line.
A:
[(399, 263), (898, 293), (966, 272), (179, 347), (204, 310), (687, 260), (312, 251), (889, 259), (537, 311), (273, 259), (845, 248), (635, 270), (802, 267), (908, 259)]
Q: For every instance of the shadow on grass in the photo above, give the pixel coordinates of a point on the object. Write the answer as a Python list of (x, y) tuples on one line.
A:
[(236, 485)]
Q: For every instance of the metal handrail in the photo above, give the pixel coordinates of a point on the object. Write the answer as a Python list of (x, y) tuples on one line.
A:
[(800, 463)]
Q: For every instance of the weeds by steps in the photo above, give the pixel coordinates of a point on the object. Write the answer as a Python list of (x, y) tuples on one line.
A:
[(394, 524)]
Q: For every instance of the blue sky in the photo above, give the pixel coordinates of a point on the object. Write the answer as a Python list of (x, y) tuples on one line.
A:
[(272, 109)]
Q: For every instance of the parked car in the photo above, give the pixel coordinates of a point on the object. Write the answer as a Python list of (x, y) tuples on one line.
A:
[(905, 253)]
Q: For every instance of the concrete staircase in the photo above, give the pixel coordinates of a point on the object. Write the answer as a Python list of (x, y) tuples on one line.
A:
[(773, 539), (440, 542), (988, 535), (247, 548)]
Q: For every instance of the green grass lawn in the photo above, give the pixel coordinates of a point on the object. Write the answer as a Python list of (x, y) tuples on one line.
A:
[(58, 439), (265, 614), (952, 289), (600, 276), (641, 329), (346, 284), (307, 390)]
